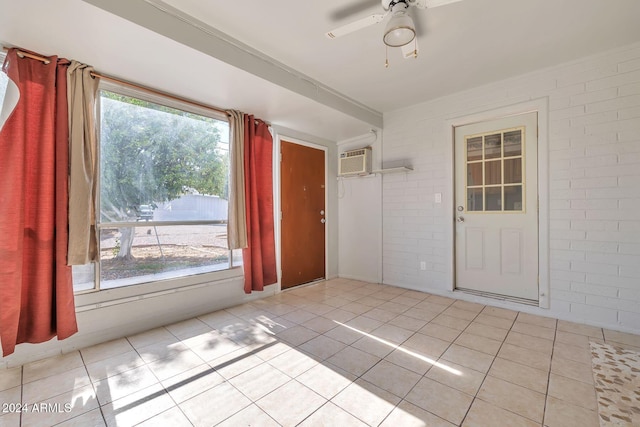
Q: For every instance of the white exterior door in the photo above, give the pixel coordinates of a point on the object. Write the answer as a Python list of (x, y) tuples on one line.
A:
[(496, 225)]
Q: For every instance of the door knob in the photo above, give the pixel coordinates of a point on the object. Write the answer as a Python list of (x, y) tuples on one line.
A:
[(323, 220), (460, 219), (321, 212)]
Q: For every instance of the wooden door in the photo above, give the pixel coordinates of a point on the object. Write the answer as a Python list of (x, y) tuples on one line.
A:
[(303, 214), (496, 224)]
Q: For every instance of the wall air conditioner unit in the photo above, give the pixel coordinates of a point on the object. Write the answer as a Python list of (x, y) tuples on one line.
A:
[(355, 162)]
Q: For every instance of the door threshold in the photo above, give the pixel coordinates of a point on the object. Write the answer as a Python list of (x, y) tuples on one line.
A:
[(301, 285), (517, 300)]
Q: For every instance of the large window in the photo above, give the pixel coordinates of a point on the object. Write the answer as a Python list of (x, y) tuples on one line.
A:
[(163, 193)]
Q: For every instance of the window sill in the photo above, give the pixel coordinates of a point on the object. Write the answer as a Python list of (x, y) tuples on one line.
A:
[(113, 296)]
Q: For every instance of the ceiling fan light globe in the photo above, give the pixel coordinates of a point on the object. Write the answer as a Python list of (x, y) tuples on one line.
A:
[(399, 30)]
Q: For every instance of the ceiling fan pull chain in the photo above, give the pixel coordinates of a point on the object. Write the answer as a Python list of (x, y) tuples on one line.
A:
[(386, 56)]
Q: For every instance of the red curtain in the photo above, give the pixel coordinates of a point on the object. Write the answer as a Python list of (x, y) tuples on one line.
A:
[(259, 258), (36, 291)]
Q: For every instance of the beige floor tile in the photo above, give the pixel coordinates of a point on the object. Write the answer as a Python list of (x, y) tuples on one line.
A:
[(259, 381), (124, 384), (366, 402), (184, 386), (161, 350), (572, 352), (68, 405), (533, 330), (532, 319), (114, 365), (457, 376), (137, 407), (382, 316), (353, 360), (570, 369), (473, 359), (174, 417), (405, 300), (214, 405), (526, 356), (54, 365), (468, 306), (340, 315), (293, 362), (175, 364), (344, 335), (299, 316), (10, 378), (453, 311), (562, 414), (408, 323), (252, 415), (500, 312), (525, 376), (426, 345), (394, 307), (320, 324), (356, 308), (297, 335), (216, 318), (451, 322), (483, 414), (322, 347), (421, 314), (326, 380), (10, 396), (431, 306), (572, 339), (304, 403), (271, 350), (330, 415), (487, 331), (364, 324), (235, 363), (408, 415), (530, 342), (476, 342), (578, 328), (188, 328), (105, 350), (150, 337), (411, 359), (621, 337), (371, 302), (11, 419), (441, 400), (495, 321), (45, 388), (376, 347), (214, 347), (92, 418), (437, 299), (441, 332), (392, 378), (514, 398), (572, 391)]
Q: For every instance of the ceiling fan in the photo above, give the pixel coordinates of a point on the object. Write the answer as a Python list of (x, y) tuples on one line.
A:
[(400, 30)]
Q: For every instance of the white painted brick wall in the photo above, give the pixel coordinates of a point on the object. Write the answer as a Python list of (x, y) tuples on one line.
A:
[(594, 181)]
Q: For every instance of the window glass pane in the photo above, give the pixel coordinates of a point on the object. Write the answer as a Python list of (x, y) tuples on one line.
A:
[(494, 198), (513, 143), (492, 172), (474, 148), (513, 171), (513, 198), (161, 164), (474, 173), (84, 277), (493, 146), (160, 252), (474, 199)]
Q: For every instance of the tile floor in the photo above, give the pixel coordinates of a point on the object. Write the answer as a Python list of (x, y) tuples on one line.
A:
[(336, 353)]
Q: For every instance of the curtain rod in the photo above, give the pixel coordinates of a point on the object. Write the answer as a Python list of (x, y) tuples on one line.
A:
[(23, 54)]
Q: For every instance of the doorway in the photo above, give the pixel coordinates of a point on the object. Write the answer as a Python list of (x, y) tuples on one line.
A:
[(496, 207), (303, 219)]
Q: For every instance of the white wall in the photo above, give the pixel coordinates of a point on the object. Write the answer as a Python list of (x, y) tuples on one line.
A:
[(594, 180)]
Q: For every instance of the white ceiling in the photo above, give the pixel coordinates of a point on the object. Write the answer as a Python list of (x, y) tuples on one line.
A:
[(462, 45)]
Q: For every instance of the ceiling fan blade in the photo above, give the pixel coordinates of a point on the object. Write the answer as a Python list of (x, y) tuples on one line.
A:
[(355, 26), (410, 50), (354, 9), (421, 4)]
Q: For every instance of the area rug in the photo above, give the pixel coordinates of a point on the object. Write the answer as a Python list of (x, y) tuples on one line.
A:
[(616, 372)]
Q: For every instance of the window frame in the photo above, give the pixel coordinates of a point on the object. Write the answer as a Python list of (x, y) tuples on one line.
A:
[(98, 295)]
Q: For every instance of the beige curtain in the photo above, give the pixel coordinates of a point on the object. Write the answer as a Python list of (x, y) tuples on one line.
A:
[(81, 93), (237, 219)]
